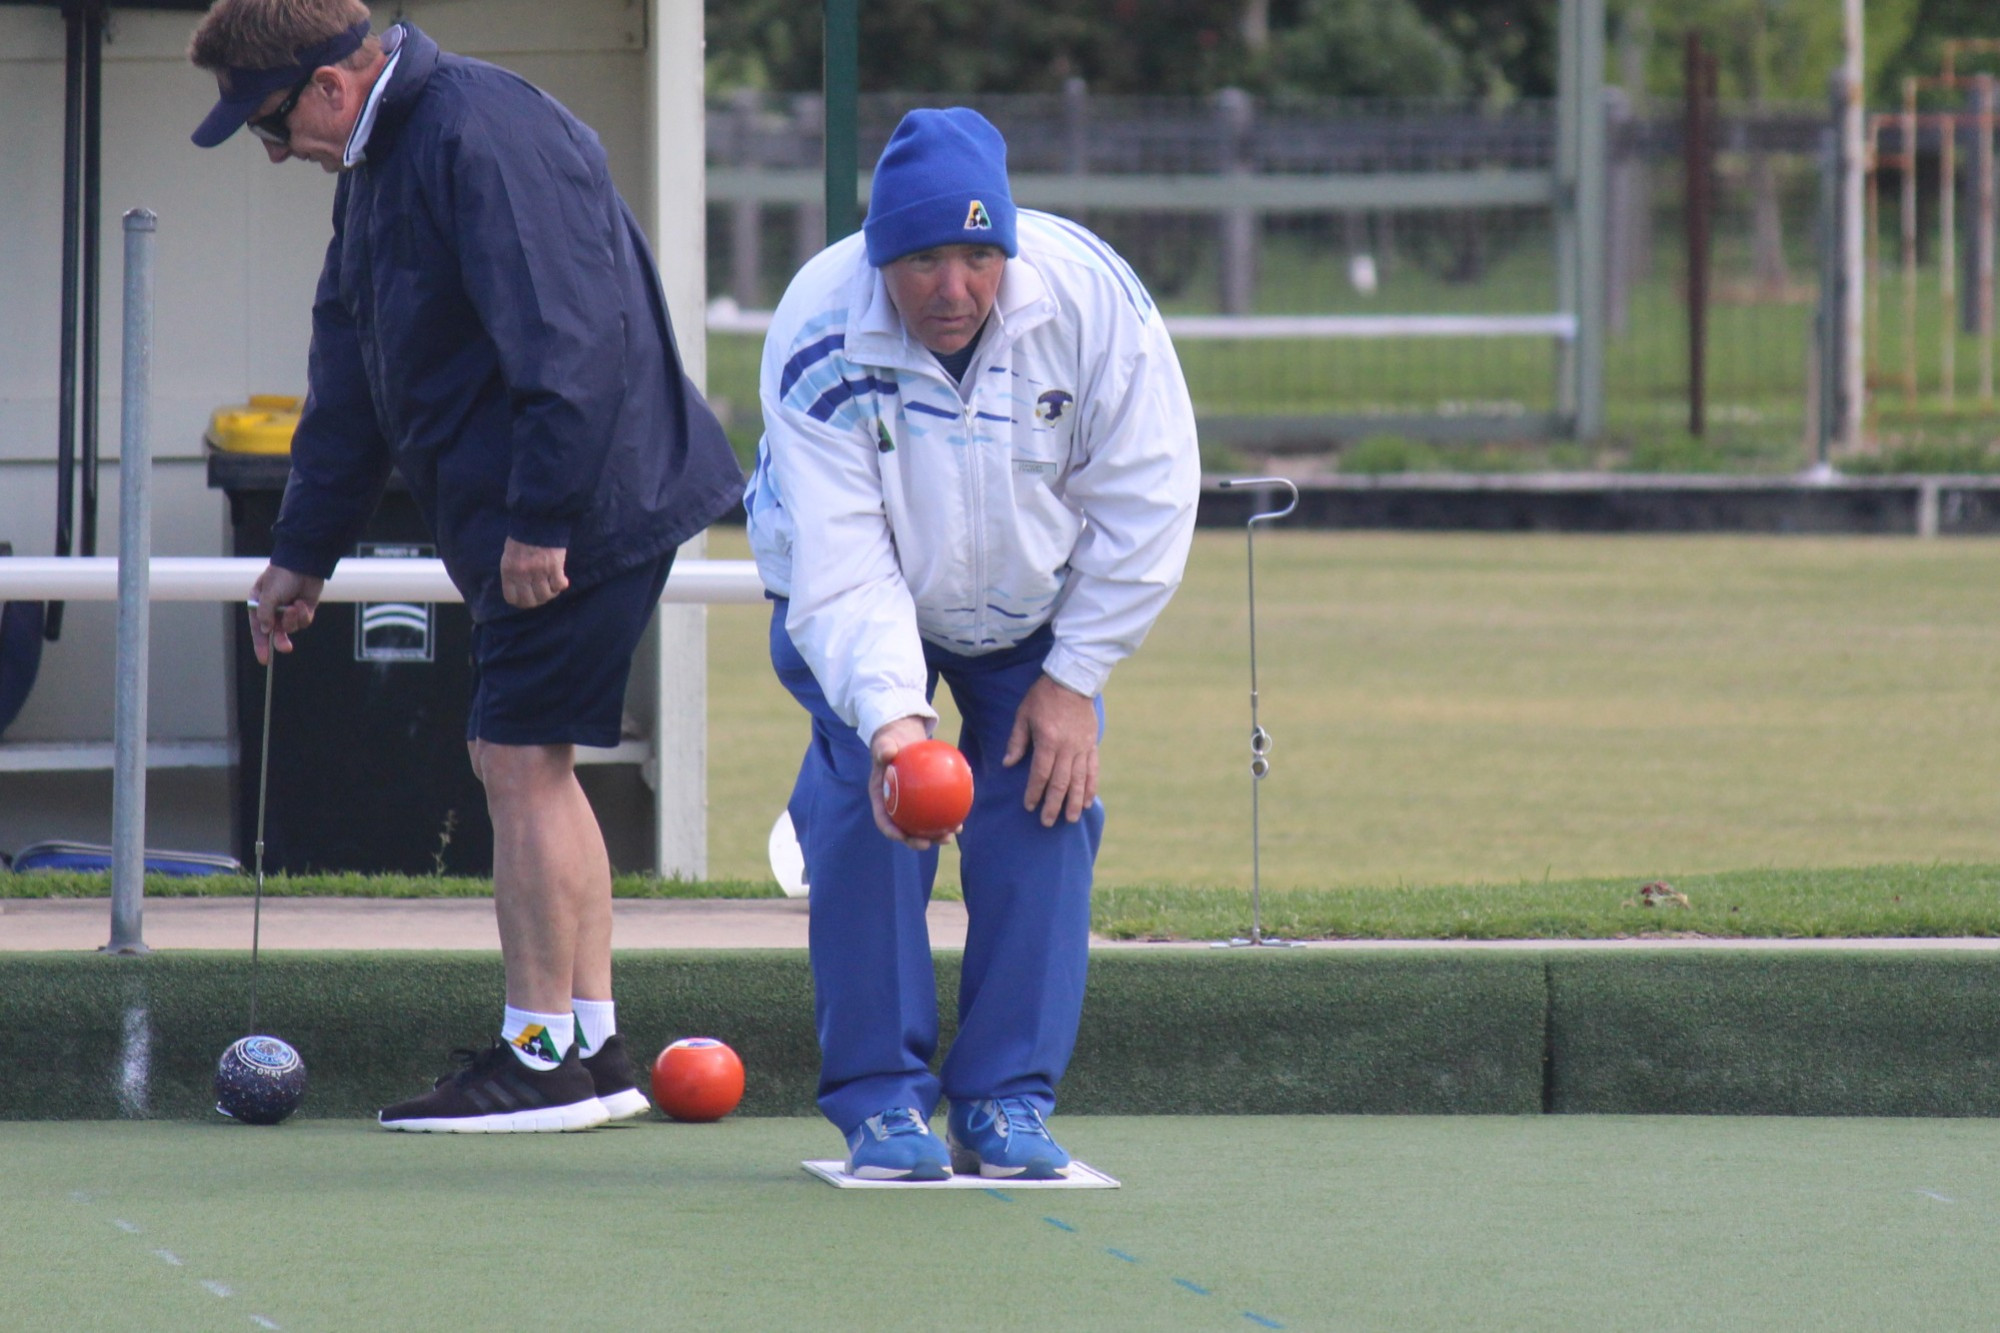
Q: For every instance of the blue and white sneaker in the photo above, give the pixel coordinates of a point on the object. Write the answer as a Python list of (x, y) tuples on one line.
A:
[(896, 1145), (1003, 1138)]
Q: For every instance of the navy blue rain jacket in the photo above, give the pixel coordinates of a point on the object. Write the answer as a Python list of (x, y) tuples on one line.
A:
[(489, 322)]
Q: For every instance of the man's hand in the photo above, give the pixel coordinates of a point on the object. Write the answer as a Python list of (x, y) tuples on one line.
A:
[(282, 603), (531, 576), (888, 741), (1058, 727)]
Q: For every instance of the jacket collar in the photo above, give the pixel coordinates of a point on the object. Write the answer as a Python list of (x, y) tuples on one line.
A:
[(416, 61), (876, 335)]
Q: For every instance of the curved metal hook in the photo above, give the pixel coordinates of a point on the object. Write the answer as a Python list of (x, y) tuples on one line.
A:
[(1236, 483)]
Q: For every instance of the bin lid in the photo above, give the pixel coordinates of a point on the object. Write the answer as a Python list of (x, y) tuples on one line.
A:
[(264, 425)]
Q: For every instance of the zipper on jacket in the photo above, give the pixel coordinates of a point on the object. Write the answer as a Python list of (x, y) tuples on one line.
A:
[(978, 477)]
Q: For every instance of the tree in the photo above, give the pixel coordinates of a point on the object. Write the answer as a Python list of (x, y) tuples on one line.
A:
[(1365, 48), (1123, 46)]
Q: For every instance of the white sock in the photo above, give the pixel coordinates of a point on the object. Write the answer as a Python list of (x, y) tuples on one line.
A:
[(539, 1040), (596, 1021)]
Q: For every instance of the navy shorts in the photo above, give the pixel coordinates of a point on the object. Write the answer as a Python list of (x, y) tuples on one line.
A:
[(556, 675)]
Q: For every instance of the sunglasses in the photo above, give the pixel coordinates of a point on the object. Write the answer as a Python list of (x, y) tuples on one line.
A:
[(274, 128)]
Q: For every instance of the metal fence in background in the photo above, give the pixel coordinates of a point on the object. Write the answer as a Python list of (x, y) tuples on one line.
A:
[(1418, 245), (1932, 233), (1762, 219)]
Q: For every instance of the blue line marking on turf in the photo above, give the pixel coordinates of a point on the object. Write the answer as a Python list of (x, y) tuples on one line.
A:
[(1262, 1321)]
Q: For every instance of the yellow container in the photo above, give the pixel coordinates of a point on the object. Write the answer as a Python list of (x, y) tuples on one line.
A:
[(264, 425)]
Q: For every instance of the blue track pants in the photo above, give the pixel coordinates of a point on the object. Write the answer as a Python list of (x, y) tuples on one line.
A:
[(1027, 899)]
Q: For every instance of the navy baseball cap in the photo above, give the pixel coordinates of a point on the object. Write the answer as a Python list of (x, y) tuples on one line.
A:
[(244, 90)]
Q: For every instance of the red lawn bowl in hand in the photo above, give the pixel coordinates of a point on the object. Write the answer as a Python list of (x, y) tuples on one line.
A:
[(927, 789), (697, 1079)]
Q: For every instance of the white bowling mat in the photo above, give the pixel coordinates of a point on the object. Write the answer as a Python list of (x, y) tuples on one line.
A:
[(1081, 1177)]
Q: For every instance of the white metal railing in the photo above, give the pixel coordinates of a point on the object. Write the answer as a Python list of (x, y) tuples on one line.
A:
[(228, 579), (724, 316), (357, 579), (223, 579)]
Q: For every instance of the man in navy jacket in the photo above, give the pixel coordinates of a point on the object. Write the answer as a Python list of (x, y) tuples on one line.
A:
[(488, 323)]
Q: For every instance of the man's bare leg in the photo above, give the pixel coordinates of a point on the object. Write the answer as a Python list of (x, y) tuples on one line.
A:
[(551, 876)]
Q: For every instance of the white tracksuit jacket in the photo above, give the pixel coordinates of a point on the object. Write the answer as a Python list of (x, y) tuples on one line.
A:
[(1058, 482)]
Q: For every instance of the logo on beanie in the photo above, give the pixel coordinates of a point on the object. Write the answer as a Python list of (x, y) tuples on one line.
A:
[(976, 219)]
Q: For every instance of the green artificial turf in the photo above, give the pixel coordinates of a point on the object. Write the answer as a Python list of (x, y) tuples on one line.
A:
[(1223, 1223), (1747, 1034), (1225, 1032), (1186, 1031)]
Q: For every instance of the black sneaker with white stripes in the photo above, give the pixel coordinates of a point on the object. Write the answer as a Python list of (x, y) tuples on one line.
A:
[(610, 1070), (494, 1093)]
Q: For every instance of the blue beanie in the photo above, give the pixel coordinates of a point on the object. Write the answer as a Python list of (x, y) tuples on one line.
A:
[(941, 181)]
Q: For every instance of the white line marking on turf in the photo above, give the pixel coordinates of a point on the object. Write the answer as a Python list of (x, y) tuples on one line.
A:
[(173, 1260), (1933, 1194)]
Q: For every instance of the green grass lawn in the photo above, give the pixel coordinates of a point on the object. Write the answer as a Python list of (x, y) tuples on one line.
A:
[(1474, 709), (1524, 728)]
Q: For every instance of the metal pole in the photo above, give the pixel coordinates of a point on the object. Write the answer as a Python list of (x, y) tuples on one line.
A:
[(746, 216), (1592, 218), (841, 82), (1948, 253), (72, 211), (1853, 396), (1569, 269), (1907, 221), (1236, 113), (1826, 364), (1875, 270), (1983, 243), (1695, 154), (93, 205), (135, 545), (1260, 739)]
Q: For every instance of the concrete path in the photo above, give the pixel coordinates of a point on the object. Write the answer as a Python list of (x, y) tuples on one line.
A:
[(759, 923), (390, 923)]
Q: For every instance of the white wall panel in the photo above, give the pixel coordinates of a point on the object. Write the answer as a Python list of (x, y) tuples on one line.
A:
[(239, 248)]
